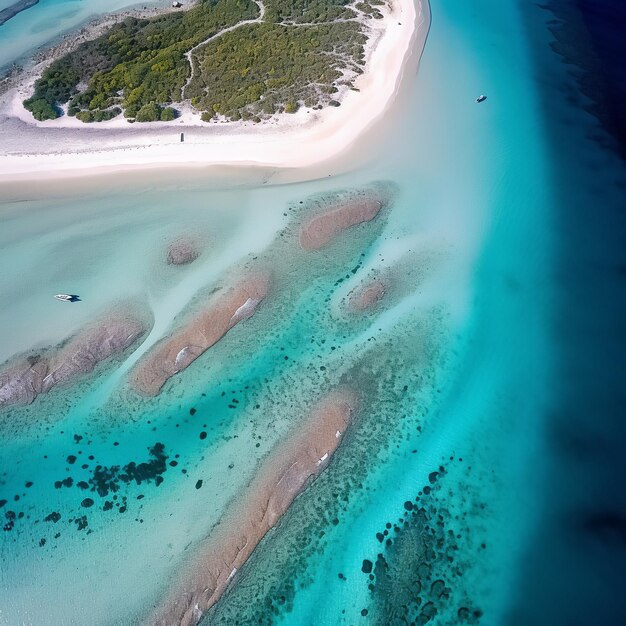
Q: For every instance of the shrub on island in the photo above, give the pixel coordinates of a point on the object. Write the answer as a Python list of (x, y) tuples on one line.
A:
[(98, 116), (168, 114), (251, 71), (41, 109), (154, 112), (150, 112)]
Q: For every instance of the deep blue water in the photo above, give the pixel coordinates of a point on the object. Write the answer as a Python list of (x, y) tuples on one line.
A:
[(606, 24), (591, 35), (574, 571)]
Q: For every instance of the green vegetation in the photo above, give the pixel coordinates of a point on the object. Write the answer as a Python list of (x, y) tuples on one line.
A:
[(306, 11), (300, 53), (266, 68), (369, 8), (98, 116)]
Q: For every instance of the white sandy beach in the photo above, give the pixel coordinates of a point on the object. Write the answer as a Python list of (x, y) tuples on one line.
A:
[(68, 148)]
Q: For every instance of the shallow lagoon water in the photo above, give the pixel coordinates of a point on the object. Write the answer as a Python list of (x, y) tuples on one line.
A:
[(459, 374)]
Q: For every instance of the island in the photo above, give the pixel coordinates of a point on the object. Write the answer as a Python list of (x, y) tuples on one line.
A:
[(240, 59), (220, 82)]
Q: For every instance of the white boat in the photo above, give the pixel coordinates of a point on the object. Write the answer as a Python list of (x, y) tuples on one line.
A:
[(481, 98), (65, 297)]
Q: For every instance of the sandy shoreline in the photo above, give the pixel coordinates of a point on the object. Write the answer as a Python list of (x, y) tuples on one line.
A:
[(59, 149)]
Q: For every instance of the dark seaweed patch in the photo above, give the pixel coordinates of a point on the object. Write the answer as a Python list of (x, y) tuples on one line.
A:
[(410, 577), (107, 479), (10, 523), (66, 482)]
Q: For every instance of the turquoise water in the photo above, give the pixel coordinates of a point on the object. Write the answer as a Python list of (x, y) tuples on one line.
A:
[(444, 482)]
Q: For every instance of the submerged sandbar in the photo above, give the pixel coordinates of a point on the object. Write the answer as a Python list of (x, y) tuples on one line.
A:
[(23, 381), (323, 228), (281, 477), (175, 354)]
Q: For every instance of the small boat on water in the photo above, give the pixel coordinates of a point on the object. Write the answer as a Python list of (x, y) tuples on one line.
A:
[(481, 98), (66, 297)]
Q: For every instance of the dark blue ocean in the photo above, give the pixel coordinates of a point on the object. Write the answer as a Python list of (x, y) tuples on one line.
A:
[(574, 570)]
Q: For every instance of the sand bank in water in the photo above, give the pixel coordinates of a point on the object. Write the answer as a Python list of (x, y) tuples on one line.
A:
[(321, 229), (22, 382), (174, 354), (281, 477), (366, 295), (182, 252)]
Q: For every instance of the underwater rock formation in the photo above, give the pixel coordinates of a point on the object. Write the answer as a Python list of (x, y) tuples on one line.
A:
[(366, 296), (22, 383), (88, 348)]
